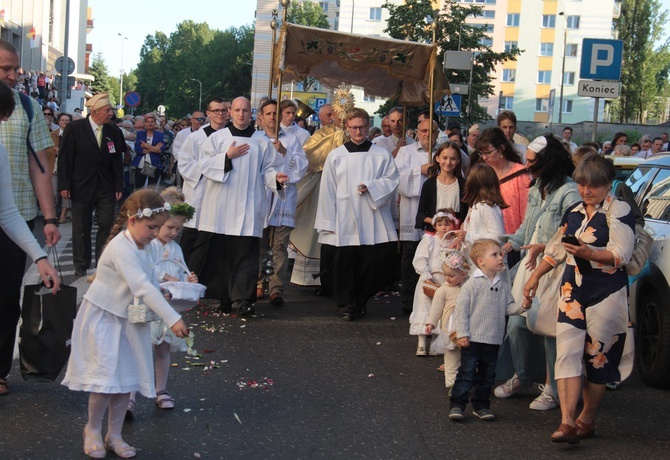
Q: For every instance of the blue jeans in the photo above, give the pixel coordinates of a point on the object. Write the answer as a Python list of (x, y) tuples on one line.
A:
[(478, 370)]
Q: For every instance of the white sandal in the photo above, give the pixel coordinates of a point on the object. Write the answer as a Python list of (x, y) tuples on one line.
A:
[(164, 400)]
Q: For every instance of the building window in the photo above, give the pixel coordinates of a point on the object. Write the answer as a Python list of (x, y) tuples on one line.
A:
[(573, 22), (513, 20), (368, 98), (509, 46), (486, 41), (567, 106), (549, 21), (375, 14), (571, 49), (488, 28), (541, 105), (569, 78), (546, 49), (506, 103), (509, 75), (544, 76), (324, 6)]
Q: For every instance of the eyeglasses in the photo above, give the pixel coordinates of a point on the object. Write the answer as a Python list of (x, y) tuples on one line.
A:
[(487, 153), (218, 111), (200, 119), (358, 128), (47, 114)]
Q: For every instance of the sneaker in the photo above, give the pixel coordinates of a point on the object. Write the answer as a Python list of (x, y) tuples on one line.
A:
[(484, 414), (456, 413), (420, 351), (545, 401), (508, 388)]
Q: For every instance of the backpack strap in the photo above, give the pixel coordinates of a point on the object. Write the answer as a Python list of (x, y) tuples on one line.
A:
[(28, 107), (615, 185)]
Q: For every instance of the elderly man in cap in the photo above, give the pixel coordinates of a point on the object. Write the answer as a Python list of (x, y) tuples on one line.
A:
[(90, 173)]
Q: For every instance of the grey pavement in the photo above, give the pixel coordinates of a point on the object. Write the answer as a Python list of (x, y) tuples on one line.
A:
[(324, 389)]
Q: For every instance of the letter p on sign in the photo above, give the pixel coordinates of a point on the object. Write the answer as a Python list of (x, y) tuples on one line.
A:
[(601, 59)]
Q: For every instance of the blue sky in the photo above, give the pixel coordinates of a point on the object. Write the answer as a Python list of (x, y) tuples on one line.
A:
[(137, 19)]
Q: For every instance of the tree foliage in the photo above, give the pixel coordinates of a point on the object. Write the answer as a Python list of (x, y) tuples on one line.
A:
[(408, 22), (646, 61), (169, 67), (307, 14), (102, 82)]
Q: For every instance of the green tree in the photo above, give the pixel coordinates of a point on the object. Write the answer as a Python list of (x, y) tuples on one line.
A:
[(645, 62), (151, 75), (408, 22), (307, 14), (101, 84)]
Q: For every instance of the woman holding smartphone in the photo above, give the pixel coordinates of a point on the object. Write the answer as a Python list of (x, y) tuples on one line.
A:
[(592, 306)]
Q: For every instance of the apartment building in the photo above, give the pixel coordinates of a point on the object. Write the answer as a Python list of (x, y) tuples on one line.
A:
[(550, 32)]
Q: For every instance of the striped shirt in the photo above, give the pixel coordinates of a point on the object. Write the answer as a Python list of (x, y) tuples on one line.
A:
[(481, 308), (13, 134)]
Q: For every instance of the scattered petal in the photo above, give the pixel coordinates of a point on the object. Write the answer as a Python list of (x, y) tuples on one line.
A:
[(378, 343), (237, 418), (202, 399), (244, 325), (371, 375), (187, 410), (392, 318)]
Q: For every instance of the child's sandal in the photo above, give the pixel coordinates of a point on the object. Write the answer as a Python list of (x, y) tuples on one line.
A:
[(164, 400)]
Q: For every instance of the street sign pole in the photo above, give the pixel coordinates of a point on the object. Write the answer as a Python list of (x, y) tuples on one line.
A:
[(64, 80), (595, 119)]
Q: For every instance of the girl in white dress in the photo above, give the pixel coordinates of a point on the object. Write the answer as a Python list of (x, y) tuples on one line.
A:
[(428, 265), (168, 260), (110, 356)]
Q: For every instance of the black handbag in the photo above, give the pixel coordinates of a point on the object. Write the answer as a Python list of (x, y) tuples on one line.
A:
[(46, 329)]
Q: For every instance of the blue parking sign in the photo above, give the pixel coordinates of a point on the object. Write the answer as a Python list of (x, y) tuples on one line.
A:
[(601, 59)]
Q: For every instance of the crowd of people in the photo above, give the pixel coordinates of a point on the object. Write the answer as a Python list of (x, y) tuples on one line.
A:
[(473, 227)]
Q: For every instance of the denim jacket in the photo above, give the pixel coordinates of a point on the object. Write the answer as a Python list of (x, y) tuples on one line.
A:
[(545, 218)]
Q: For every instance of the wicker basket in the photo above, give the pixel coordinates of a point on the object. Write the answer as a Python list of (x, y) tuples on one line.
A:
[(140, 313), (184, 295)]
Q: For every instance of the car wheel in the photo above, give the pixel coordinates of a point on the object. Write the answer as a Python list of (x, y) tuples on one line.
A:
[(652, 350)]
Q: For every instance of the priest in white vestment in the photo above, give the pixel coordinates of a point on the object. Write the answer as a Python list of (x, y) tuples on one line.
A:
[(236, 170), (354, 216), (412, 162)]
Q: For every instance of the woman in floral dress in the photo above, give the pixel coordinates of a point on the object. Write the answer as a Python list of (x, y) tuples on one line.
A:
[(593, 306)]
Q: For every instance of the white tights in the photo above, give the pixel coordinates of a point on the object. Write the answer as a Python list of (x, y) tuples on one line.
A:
[(98, 403)]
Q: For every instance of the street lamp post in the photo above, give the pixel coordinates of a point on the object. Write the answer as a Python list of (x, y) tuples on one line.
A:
[(121, 73), (560, 99), (353, 6), (199, 97)]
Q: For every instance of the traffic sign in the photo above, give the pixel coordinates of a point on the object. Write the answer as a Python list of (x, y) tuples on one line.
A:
[(319, 102), (606, 89), (60, 65), (601, 59), (132, 99), (449, 106), (458, 60), (459, 88)]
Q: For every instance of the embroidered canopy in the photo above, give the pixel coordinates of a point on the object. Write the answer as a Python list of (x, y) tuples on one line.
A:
[(384, 67)]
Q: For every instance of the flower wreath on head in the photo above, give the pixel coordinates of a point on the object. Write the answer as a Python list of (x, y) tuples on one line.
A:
[(183, 209), (148, 212), (455, 260), (449, 216)]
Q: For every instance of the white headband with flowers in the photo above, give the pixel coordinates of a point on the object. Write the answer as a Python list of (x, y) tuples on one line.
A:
[(448, 215), (148, 212), (454, 260)]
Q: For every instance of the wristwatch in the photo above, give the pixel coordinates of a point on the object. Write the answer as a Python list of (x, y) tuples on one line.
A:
[(53, 220)]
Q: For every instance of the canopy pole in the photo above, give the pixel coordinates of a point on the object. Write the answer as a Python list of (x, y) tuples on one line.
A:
[(273, 25), (431, 109), (285, 4)]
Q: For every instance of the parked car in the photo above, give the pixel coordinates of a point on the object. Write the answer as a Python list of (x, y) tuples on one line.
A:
[(624, 165), (649, 299)]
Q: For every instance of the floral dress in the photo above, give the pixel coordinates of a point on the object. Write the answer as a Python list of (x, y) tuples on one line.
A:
[(593, 307)]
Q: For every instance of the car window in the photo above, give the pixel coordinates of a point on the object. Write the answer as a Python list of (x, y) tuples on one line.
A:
[(656, 204), (639, 179)]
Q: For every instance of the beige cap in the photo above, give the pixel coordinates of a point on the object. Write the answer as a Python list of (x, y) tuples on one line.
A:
[(98, 101), (474, 128)]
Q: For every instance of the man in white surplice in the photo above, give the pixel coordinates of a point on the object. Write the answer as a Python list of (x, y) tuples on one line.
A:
[(397, 139), (236, 169), (412, 162), (281, 220), (354, 216)]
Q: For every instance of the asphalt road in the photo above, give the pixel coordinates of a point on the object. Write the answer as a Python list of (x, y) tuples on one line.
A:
[(324, 389)]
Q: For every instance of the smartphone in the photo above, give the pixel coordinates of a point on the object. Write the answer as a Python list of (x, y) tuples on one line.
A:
[(583, 264), (570, 239)]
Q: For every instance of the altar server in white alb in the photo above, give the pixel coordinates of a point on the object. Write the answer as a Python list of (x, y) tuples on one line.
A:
[(282, 214), (354, 216), (236, 169), (412, 162)]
